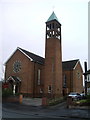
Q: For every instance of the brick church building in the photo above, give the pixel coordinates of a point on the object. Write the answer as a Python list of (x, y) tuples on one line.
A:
[(35, 76)]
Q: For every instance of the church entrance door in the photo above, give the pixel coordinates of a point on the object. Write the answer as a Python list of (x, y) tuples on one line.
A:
[(14, 84)]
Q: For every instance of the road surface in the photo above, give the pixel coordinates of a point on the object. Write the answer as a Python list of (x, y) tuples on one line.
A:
[(16, 110)]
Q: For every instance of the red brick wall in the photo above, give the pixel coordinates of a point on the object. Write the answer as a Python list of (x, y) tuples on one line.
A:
[(53, 66), (36, 87), (27, 74), (49, 76), (73, 82), (78, 79), (69, 80)]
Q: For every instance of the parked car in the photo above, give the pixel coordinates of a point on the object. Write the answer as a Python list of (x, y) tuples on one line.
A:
[(75, 95), (83, 95)]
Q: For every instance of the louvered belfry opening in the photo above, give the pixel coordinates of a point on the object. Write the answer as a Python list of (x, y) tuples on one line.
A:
[(53, 29)]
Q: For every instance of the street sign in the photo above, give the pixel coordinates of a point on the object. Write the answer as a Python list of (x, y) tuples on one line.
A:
[(5, 85)]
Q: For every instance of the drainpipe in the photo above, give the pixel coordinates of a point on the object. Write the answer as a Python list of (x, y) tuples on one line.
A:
[(34, 82), (70, 83), (85, 77)]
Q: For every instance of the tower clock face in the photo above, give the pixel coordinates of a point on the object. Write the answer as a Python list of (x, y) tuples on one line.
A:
[(17, 66)]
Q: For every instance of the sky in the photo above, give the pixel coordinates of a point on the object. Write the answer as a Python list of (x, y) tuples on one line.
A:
[(23, 25)]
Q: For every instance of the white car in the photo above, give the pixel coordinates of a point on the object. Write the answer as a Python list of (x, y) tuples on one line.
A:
[(82, 95), (75, 95)]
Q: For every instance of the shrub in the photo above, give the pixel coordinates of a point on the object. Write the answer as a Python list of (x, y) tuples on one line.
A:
[(84, 102), (55, 101), (6, 92), (88, 97)]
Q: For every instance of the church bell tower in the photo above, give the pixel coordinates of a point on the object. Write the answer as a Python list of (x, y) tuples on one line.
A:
[(53, 58)]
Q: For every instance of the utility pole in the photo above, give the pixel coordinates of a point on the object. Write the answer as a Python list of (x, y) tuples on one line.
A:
[(85, 77)]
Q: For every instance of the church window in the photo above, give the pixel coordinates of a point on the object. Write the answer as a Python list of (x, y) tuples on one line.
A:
[(78, 74), (16, 66), (41, 91), (49, 89), (64, 81), (39, 72)]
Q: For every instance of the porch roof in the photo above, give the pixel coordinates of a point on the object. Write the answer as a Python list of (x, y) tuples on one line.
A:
[(14, 79)]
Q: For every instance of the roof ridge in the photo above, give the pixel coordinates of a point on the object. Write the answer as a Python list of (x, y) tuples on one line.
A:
[(32, 56), (71, 60), (31, 52), (69, 65)]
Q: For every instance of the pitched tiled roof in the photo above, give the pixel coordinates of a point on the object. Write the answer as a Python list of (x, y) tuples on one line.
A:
[(69, 65), (14, 78), (66, 65), (34, 57)]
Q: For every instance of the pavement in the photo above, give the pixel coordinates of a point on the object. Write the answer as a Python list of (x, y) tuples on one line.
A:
[(38, 111)]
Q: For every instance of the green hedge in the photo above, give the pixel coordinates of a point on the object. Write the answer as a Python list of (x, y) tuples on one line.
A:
[(55, 101), (6, 92), (84, 102)]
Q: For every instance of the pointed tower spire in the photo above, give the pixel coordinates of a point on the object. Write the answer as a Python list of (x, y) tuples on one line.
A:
[(52, 17)]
